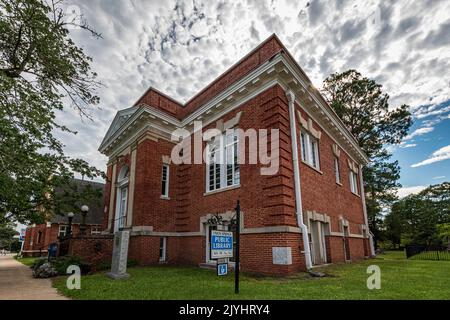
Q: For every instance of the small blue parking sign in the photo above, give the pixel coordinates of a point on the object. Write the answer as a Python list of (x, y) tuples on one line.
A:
[(222, 269)]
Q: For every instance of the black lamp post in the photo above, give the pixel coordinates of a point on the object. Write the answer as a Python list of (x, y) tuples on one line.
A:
[(70, 216), (84, 212)]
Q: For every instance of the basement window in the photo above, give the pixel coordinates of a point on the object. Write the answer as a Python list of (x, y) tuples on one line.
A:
[(165, 181), (162, 249)]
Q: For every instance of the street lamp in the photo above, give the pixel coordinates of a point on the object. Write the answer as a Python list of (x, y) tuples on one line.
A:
[(84, 212), (70, 216)]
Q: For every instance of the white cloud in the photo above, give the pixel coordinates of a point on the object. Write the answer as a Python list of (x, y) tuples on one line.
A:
[(439, 155), (406, 191), (438, 177), (181, 46), (419, 132), (409, 145)]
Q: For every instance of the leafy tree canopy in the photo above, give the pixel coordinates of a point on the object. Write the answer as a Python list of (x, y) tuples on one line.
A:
[(422, 218), (364, 109), (40, 68)]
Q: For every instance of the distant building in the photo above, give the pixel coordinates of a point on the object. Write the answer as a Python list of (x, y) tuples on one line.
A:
[(39, 236)]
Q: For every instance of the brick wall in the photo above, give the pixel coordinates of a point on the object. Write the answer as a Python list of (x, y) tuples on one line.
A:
[(92, 248), (265, 200)]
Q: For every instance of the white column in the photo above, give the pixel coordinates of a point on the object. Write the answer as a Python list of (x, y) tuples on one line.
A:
[(112, 194), (131, 182)]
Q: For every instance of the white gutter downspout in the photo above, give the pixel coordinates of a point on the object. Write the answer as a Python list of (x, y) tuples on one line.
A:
[(366, 220), (298, 198)]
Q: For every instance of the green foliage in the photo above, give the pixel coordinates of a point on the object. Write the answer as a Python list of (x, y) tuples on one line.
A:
[(103, 266), (365, 110), (38, 262), (40, 67), (62, 263), (443, 230), (7, 233), (72, 196), (132, 263), (422, 218)]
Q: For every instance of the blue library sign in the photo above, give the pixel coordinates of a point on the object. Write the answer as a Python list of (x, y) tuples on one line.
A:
[(221, 244)]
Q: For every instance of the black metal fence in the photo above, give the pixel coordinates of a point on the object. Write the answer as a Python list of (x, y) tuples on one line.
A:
[(428, 252)]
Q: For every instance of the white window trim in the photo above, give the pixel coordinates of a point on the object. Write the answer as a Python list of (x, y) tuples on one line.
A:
[(97, 228), (307, 153), (353, 177), (222, 155), (60, 231), (166, 191)]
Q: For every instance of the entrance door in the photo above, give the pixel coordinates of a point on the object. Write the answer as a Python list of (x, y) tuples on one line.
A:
[(318, 248), (121, 208), (208, 243)]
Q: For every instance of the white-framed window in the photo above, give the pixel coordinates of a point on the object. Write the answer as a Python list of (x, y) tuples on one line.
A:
[(162, 249), (62, 231), (165, 181), (337, 170), (96, 230), (222, 168), (310, 149), (353, 182)]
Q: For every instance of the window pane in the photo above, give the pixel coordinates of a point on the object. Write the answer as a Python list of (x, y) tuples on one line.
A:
[(313, 152), (303, 141), (217, 176)]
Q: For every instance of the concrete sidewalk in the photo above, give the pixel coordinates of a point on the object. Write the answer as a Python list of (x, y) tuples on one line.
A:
[(17, 283)]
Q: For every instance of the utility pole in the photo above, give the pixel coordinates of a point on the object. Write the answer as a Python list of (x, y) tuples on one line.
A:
[(238, 234)]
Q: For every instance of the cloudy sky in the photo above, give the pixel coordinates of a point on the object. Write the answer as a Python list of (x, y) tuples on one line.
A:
[(181, 46)]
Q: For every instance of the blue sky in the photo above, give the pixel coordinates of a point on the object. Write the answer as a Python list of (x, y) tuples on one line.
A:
[(420, 167), (180, 46)]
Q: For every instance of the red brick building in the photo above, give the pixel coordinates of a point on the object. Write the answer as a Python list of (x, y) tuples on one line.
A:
[(39, 236), (315, 195)]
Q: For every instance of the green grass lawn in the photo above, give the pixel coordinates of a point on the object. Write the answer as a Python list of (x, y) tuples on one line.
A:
[(400, 279), (28, 261)]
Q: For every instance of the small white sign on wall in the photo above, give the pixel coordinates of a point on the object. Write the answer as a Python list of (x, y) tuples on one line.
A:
[(282, 255)]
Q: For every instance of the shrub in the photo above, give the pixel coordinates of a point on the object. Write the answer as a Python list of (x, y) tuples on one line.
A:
[(103, 266), (38, 262), (132, 263), (62, 263)]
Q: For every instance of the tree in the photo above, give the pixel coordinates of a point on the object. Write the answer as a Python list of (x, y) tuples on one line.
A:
[(7, 233), (40, 68), (71, 197), (365, 110), (423, 218)]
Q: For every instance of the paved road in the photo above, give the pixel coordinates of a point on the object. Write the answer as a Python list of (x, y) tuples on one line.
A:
[(17, 283)]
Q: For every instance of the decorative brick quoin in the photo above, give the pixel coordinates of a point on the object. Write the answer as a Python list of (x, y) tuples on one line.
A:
[(315, 194)]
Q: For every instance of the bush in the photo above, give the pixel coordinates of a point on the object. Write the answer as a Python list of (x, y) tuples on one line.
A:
[(103, 266), (132, 263), (62, 263), (38, 262)]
